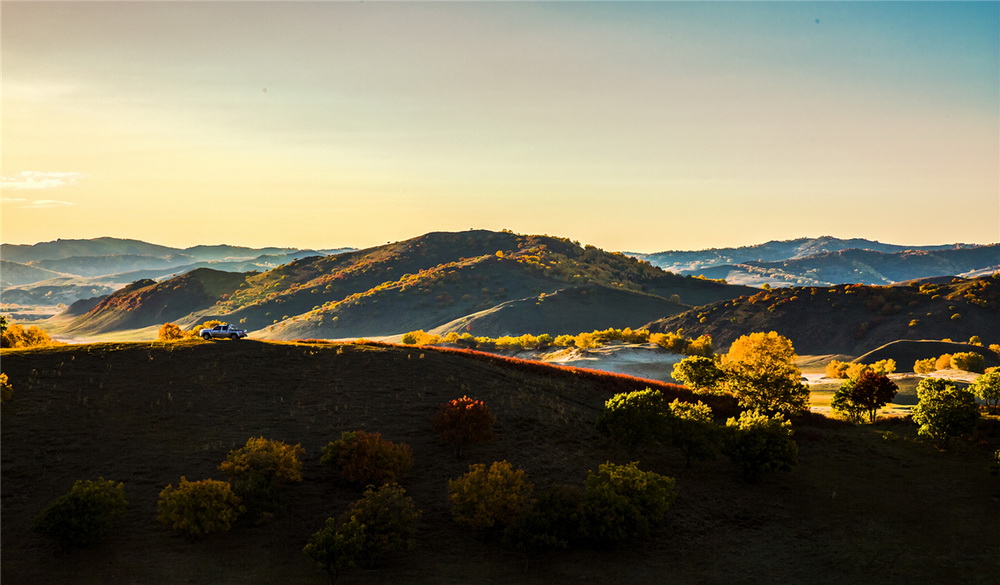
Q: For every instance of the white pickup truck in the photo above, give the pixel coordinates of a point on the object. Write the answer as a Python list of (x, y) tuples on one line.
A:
[(222, 332)]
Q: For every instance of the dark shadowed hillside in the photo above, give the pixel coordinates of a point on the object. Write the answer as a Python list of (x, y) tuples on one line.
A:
[(569, 310), (859, 507), (852, 319)]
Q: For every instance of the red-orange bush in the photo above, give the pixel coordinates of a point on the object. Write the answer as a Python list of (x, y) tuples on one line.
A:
[(464, 421)]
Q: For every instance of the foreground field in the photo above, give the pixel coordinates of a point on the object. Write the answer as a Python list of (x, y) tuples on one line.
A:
[(866, 504)]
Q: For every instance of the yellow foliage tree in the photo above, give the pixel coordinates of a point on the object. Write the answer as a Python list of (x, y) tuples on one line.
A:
[(17, 336), (761, 372), (170, 332)]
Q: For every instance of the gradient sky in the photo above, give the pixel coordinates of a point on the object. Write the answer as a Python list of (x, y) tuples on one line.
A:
[(631, 126)]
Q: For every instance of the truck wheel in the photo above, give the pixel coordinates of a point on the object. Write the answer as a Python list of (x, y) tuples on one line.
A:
[(207, 337), (234, 337)]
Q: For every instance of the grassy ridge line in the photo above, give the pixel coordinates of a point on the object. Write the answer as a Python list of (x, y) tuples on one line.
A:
[(721, 404)]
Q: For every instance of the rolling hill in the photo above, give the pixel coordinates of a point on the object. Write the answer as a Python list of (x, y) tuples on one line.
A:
[(14, 273), (865, 503), (146, 302), (421, 283), (852, 319)]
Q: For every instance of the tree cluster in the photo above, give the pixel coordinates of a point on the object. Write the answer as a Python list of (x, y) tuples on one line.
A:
[(17, 336)]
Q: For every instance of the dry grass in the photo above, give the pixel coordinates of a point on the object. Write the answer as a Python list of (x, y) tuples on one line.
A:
[(860, 508)]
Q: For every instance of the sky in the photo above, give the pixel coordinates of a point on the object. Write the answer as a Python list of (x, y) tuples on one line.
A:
[(642, 126)]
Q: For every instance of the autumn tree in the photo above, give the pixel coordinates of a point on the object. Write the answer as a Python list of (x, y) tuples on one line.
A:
[(6, 389), (259, 470), (362, 457), (84, 515), (944, 410), (623, 502), (464, 421), (16, 336), (336, 546), (760, 371), (489, 497), (698, 373), (690, 427), (550, 522), (197, 508), (987, 389), (968, 361), (634, 418), (756, 442), (389, 517), (864, 396), (170, 332)]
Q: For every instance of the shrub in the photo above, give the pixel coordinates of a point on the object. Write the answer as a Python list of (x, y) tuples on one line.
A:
[(389, 518), (420, 337), (943, 362), (968, 361), (486, 498), (698, 373), (864, 395), (623, 502), (258, 470), (84, 515), (995, 464), (170, 332), (756, 442), (585, 340), (363, 457), (464, 421), (836, 369), (550, 522), (197, 508), (634, 418), (944, 410), (336, 546), (850, 370), (924, 366), (6, 390), (987, 389), (690, 427)]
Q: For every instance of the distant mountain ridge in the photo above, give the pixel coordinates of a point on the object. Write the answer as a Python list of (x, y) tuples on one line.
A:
[(755, 261), (62, 271), (857, 266)]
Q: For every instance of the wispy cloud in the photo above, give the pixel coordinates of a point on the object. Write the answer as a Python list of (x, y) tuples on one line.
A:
[(27, 180), (22, 203)]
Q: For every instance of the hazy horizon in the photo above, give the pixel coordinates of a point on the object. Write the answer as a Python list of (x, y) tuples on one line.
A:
[(639, 127)]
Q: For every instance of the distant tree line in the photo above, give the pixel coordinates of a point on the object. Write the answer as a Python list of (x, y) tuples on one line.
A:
[(672, 341)]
